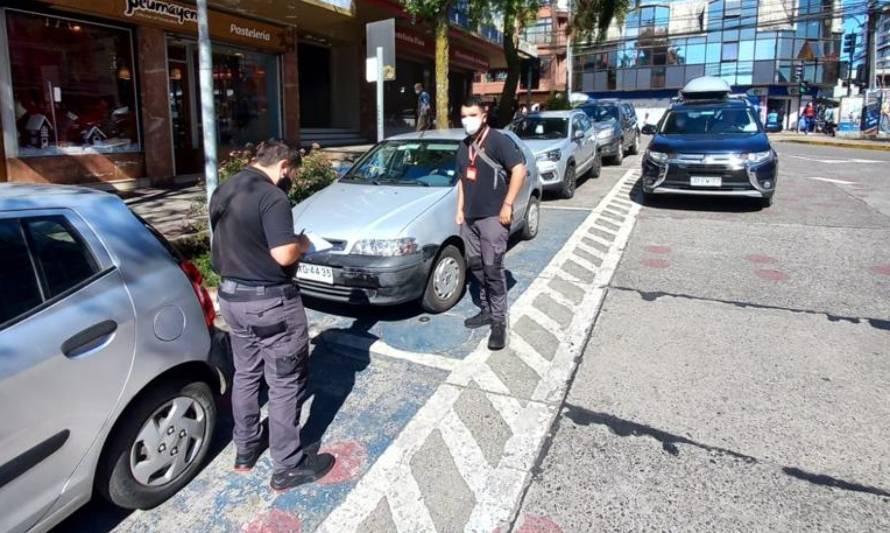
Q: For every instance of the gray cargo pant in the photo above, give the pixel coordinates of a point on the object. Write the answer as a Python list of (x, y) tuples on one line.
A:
[(486, 242), (269, 335)]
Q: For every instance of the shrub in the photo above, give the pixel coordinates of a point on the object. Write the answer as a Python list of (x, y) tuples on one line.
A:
[(557, 102), (315, 174)]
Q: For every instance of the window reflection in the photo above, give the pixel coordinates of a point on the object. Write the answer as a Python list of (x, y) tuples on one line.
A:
[(72, 85)]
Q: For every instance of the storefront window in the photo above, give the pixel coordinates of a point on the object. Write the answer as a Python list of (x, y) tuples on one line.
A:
[(73, 86), (245, 86)]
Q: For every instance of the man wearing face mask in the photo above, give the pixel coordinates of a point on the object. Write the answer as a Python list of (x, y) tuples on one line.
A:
[(424, 108), (255, 252), (492, 171)]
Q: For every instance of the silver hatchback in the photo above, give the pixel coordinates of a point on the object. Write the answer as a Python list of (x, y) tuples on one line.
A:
[(107, 371), (390, 219)]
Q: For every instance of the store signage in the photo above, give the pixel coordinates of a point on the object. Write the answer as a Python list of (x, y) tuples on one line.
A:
[(409, 40), (162, 9), (180, 17)]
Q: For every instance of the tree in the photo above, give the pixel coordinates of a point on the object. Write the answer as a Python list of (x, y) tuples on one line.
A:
[(435, 12), (590, 20)]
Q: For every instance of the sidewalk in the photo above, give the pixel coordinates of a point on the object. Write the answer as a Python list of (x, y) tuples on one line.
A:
[(167, 209), (825, 140)]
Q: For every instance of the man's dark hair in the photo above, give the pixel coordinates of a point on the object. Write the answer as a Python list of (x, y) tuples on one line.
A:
[(274, 150), (474, 101)]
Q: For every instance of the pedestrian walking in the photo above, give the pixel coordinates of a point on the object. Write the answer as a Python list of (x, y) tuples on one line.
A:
[(424, 108), (492, 172), (255, 251)]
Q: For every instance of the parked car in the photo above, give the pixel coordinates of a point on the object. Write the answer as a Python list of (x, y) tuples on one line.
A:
[(107, 370), (618, 130), (390, 220), (564, 144), (710, 143)]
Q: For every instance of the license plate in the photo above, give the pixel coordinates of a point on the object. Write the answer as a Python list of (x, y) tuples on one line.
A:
[(705, 181), (310, 272)]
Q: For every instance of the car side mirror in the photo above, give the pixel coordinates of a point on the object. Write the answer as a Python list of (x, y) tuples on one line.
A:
[(649, 129), (578, 135)]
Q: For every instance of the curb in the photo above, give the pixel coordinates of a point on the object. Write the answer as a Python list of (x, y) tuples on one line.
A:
[(875, 147)]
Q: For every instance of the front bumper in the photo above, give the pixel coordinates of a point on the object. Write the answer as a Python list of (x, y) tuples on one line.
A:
[(608, 147), (737, 179), (364, 280), (551, 173)]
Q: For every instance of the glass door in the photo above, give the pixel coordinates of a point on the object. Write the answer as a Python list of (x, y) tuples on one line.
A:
[(187, 153)]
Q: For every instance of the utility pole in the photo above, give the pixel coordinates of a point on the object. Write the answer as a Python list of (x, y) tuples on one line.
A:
[(569, 59), (208, 113), (850, 49), (870, 51)]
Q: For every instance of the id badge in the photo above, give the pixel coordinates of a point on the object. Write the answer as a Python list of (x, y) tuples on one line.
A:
[(471, 173)]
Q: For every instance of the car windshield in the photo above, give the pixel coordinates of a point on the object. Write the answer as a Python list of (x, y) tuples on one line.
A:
[(541, 128), (709, 121), (420, 163), (599, 113)]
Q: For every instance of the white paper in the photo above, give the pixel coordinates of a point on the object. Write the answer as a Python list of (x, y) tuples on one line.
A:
[(317, 244)]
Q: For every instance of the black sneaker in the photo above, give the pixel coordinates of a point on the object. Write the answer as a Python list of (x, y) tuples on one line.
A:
[(478, 321), (245, 461), (311, 468), (497, 340)]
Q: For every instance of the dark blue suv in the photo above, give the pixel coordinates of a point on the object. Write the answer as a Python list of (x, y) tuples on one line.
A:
[(710, 143)]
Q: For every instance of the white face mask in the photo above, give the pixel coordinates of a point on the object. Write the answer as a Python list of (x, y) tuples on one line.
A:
[(471, 124)]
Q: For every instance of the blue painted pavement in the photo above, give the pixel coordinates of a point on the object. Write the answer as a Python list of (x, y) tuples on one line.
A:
[(407, 328)]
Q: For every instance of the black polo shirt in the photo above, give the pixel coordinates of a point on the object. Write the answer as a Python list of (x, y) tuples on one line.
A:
[(484, 196), (251, 216)]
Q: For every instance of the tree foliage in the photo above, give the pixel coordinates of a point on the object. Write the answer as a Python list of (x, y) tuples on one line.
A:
[(591, 18)]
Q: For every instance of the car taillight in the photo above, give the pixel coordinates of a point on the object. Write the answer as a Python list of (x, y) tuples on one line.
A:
[(194, 276)]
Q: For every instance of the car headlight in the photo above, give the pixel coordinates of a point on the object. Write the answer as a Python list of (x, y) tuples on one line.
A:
[(657, 157), (759, 157), (551, 155), (385, 247), (604, 134)]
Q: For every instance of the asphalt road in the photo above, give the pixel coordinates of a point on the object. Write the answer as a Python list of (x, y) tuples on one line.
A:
[(737, 375)]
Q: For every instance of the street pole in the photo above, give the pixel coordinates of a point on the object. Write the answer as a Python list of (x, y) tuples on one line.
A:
[(870, 49), (208, 113), (569, 60), (380, 132)]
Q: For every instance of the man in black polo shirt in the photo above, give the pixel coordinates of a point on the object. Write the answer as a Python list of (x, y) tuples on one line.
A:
[(255, 252), (492, 171)]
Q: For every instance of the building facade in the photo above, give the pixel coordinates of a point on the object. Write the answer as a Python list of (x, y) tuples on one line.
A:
[(882, 51), (543, 74), (756, 46), (106, 91)]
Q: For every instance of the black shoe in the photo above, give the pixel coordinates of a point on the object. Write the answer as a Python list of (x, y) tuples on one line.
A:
[(311, 468), (245, 461), (478, 321), (497, 340)]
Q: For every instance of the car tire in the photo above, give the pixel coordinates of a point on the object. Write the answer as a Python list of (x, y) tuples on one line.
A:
[(569, 182), (597, 168), (619, 154), (532, 219), (115, 479), (635, 147), (446, 281), (766, 201)]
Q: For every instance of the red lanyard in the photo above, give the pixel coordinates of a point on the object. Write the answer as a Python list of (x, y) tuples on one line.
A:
[(473, 152)]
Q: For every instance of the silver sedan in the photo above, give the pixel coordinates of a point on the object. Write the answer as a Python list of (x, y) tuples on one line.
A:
[(390, 221)]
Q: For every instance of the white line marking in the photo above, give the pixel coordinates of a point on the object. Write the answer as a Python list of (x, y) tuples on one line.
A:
[(565, 207), (830, 180), (529, 420), (378, 346)]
